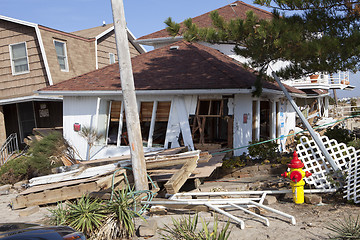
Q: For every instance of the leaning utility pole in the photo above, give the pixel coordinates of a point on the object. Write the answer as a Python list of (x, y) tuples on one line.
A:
[(129, 97)]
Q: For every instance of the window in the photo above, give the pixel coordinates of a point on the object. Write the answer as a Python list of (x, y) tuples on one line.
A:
[(19, 58), (60, 48), (112, 58)]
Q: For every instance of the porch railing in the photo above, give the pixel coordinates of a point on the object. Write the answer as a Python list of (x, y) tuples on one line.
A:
[(8, 148)]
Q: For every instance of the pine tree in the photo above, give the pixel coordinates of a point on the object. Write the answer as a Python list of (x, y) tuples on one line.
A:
[(312, 36)]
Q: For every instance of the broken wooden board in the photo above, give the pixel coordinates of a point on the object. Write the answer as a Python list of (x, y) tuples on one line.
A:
[(204, 168), (179, 178), (56, 192), (80, 173), (104, 161)]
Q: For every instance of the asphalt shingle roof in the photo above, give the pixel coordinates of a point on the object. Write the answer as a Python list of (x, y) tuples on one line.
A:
[(234, 10), (179, 66)]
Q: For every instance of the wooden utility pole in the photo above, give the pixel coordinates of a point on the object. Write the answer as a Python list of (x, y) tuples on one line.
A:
[(129, 97)]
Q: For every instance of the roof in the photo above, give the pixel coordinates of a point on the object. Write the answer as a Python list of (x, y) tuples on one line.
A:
[(234, 10), (181, 66), (93, 32)]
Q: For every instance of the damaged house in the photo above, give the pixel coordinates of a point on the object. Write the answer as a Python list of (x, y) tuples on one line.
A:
[(187, 94)]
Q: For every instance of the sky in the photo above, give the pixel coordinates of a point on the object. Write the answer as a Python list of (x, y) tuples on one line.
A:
[(143, 16)]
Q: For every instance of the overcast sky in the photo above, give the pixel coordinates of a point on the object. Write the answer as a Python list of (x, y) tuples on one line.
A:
[(142, 16)]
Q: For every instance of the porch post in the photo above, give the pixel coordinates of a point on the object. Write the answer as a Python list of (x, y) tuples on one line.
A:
[(2, 127), (257, 121), (326, 107), (273, 120)]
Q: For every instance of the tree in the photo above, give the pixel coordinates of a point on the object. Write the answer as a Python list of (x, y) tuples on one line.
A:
[(311, 36)]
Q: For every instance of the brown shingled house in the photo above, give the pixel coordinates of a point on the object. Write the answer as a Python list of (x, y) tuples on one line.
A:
[(187, 94), (33, 57)]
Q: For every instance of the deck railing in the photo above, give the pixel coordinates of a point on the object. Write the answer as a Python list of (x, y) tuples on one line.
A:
[(9, 148)]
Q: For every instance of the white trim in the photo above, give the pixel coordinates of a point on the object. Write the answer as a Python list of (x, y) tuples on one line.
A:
[(121, 123), (152, 124), (96, 55), (14, 73), (43, 54), (29, 98), (138, 46), (17, 21), (66, 56), (104, 33)]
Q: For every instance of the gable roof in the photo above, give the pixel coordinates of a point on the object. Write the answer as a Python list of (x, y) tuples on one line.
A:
[(93, 32), (234, 10), (182, 66)]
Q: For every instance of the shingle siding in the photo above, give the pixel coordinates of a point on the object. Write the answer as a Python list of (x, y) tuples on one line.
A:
[(80, 55), (23, 84)]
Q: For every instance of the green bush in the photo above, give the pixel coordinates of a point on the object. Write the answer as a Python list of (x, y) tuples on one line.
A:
[(355, 143), (341, 135), (267, 150), (36, 162)]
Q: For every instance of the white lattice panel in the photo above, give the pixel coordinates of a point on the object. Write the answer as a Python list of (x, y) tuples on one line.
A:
[(352, 188), (314, 161)]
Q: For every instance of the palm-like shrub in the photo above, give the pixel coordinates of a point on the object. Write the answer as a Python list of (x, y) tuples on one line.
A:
[(186, 229), (346, 229), (120, 222)]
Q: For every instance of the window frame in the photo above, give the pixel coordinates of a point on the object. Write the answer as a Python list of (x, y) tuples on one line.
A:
[(12, 59), (112, 54), (65, 57)]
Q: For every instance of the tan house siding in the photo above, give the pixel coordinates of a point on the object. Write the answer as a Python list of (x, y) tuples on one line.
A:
[(21, 84), (106, 45), (80, 55)]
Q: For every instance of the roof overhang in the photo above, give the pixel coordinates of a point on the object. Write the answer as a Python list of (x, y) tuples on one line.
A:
[(156, 41), (166, 92), (31, 98)]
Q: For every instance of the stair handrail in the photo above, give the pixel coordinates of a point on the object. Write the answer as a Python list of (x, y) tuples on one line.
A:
[(10, 147)]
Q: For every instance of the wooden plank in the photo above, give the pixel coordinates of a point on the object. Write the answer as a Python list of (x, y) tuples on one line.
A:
[(180, 177), (65, 192)]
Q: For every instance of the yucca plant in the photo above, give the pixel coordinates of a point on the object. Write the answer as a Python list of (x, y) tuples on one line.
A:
[(186, 229), (85, 214), (59, 215), (346, 229), (120, 222)]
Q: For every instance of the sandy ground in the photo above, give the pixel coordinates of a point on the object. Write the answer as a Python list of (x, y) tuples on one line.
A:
[(312, 220)]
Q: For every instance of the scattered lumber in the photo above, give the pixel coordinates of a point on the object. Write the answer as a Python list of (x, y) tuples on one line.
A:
[(179, 178), (67, 190)]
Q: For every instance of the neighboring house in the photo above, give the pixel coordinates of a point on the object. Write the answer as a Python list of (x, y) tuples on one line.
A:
[(316, 101), (187, 93), (33, 57)]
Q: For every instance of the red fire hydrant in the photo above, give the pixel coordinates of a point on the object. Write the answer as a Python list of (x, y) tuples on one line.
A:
[(296, 175)]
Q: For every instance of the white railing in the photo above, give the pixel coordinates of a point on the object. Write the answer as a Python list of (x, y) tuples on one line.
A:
[(343, 111), (335, 80), (9, 148)]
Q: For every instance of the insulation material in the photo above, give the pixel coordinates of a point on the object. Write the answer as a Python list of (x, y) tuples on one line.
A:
[(323, 175)]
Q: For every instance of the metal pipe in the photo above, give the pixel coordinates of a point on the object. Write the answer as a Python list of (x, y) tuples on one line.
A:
[(175, 196), (316, 138), (292, 218), (242, 224), (252, 213)]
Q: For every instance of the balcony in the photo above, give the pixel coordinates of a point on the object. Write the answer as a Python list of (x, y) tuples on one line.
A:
[(323, 81)]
